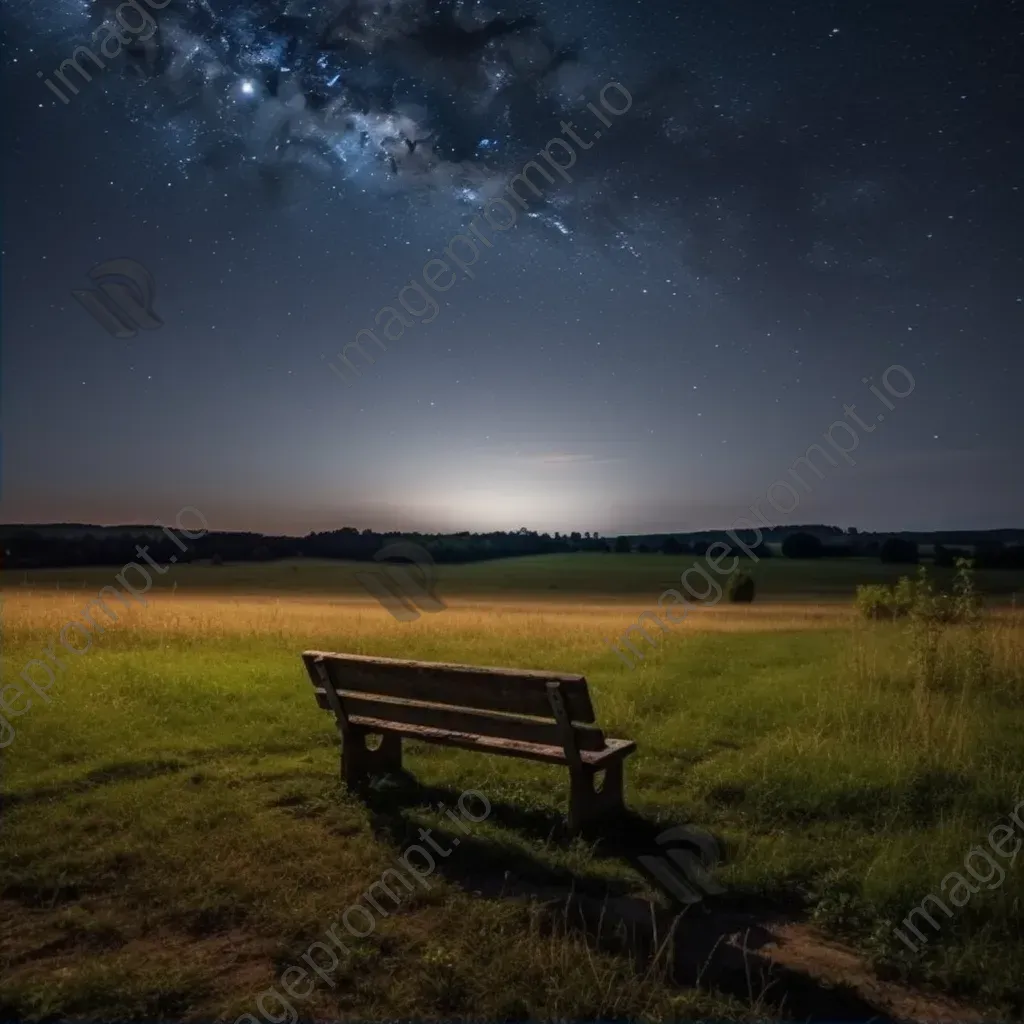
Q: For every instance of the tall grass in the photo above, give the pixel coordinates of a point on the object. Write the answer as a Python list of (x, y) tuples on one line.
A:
[(947, 656)]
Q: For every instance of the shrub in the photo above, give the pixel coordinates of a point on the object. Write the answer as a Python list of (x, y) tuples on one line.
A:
[(877, 601), (970, 665), (622, 546), (897, 551), (919, 599), (802, 545), (740, 587)]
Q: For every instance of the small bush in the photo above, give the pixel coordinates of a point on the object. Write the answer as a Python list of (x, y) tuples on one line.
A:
[(919, 598), (877, 601), (740, 588)]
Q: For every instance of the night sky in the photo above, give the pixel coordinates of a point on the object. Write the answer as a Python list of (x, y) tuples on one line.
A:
[(800, 195)]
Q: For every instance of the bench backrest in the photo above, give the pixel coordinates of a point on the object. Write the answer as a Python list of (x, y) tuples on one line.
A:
[(509, 703)]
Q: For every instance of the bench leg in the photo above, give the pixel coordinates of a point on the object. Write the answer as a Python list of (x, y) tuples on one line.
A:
[(359, 763), (587, 806)]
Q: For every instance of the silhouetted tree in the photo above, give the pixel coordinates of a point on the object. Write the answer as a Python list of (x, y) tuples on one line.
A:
[(622, 546)]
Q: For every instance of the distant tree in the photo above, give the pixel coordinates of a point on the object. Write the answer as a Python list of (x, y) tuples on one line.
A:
[(898, 551), (671, 547), (622, 546), (216, 560), (995, 555), (802, 545), (943, 557), (852, 531)]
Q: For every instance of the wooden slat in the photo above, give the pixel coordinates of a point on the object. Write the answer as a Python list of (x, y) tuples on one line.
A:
[(566, 732), (332, 701), (480, 723), (615, 749), (511, 690)]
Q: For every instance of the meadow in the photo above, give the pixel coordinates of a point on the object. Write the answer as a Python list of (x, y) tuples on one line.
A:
[(174, 833)]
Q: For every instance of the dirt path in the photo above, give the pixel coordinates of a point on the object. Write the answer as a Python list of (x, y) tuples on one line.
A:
[(786, 966)]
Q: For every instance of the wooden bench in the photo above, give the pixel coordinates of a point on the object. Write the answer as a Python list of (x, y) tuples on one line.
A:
[(540, 716)]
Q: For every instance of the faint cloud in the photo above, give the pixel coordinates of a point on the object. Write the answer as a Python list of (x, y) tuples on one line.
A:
[(563, 457), (566, 459)]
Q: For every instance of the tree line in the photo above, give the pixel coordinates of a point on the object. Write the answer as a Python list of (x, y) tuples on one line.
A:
[(54, 547), (27, 548)]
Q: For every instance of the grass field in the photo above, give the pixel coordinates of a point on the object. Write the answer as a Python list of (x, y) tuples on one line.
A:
[(174, 834)]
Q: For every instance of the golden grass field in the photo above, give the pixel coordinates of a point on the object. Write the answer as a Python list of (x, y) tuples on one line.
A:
[(175, 834)]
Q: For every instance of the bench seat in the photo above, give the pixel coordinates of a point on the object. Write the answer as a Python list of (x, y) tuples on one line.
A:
[(496, 745), (524, 713)]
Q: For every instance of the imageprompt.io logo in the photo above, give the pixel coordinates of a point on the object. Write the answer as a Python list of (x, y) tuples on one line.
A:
[(683, 871), (124, 303), (395, 586)]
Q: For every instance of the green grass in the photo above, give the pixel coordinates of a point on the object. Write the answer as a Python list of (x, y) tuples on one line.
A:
[(594, 577), (174, 834)]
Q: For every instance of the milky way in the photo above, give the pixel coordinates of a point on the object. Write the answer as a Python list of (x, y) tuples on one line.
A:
[(407, 96), (393, 96)]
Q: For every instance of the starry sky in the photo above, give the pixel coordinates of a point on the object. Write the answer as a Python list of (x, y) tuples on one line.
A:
[(800, 195)]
